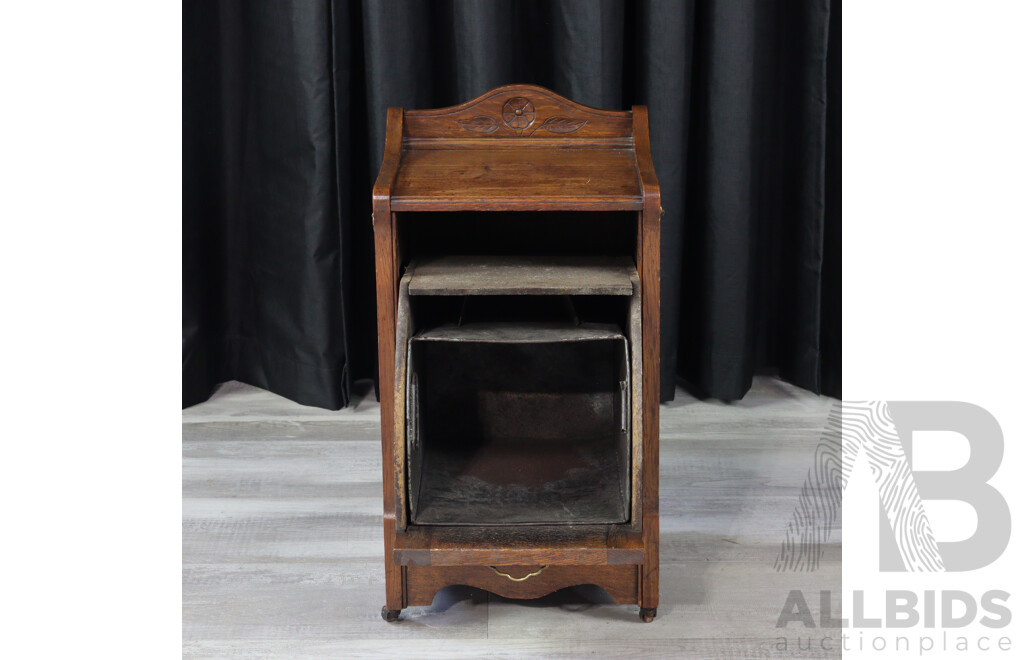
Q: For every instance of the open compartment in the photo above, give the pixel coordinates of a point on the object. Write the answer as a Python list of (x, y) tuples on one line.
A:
[(548, 233), (519, 423), (520, 391)]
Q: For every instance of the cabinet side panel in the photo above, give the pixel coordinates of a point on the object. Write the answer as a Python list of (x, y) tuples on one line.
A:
[(649, 262)]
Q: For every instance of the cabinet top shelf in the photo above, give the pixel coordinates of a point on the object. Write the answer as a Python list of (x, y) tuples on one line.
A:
[(511, 178), (521, 275)]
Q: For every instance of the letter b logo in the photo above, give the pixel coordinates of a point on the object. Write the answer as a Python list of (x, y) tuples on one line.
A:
[(967, 484)]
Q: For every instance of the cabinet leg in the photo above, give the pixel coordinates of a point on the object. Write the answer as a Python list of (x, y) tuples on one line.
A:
[(649, 570), (389, 615), (394, 575)]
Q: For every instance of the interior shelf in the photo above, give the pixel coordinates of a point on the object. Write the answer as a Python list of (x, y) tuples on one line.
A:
[(523, 333), (458, 275)]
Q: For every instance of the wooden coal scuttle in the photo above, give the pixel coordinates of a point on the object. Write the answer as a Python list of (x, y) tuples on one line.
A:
[(517, 257)]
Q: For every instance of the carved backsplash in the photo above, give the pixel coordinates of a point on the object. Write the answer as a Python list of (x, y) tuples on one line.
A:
[(519, 111), (517, 117)]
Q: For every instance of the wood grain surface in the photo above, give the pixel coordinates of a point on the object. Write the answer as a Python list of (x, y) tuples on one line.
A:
[(618, 582), (516, 114), (523, 179), (588, 545)]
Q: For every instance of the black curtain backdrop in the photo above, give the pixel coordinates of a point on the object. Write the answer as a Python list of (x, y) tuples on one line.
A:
[(284, 113)]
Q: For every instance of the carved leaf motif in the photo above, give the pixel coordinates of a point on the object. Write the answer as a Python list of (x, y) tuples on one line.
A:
[(479, 124), (562, 125)]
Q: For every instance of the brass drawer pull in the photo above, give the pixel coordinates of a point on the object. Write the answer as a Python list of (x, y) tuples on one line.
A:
[(519, 579)]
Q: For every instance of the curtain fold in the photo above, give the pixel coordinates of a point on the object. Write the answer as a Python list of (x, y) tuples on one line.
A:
[(284, 117), (262, 230)]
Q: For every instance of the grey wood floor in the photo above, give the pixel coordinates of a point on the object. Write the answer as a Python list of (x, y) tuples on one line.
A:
[(282, 544)]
